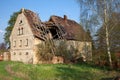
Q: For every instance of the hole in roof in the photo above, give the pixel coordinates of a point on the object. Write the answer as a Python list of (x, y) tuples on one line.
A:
[(54, 33)]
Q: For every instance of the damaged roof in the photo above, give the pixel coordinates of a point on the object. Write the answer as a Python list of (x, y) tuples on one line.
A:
[(34, 22), (73, 30)]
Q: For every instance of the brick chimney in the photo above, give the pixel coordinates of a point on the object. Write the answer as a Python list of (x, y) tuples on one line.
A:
[(65, 18)]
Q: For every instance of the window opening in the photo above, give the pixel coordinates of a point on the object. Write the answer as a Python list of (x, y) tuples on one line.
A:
[(20, 43), (20, 22), (14, 43), (26, 42), (22, 30), (26, 53)]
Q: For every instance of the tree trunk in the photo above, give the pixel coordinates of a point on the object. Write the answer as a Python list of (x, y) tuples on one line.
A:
[(107, 34)]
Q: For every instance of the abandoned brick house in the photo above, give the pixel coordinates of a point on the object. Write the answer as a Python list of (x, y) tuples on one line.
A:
[(28, 32)]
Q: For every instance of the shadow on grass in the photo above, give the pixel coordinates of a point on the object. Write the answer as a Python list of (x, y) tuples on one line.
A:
[(91, 65), (69, 73), (115, 78), (107, 79)]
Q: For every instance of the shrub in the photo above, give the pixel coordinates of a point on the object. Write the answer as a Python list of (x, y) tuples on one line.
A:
[(44, 52)]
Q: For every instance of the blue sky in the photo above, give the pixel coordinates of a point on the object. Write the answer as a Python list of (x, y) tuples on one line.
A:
[(45, 8)]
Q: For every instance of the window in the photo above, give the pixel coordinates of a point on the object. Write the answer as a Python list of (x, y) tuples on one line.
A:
[(18, 31), (26, 53), (14, 53), (21, 30), (26, 42), (14, 44), (20, 43), (20, 22)]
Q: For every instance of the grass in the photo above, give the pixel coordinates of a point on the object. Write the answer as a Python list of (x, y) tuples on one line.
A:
[(22, 71)]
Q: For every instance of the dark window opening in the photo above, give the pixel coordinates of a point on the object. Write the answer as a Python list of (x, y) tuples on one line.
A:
[(20, 43), (26, 53), (54, 33), (21, 30), (26, 42), (20, 22)]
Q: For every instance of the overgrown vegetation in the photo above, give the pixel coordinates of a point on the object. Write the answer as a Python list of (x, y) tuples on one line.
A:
[(2, 48), (82, 71), (44, 51), (69, 53)]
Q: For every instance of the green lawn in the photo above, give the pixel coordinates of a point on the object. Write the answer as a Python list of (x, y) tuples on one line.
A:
[(20, 71)]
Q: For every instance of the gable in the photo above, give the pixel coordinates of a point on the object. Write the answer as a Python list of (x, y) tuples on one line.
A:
[(21, 27)]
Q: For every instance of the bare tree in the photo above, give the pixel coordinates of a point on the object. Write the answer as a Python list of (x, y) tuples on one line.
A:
[(97, 13)]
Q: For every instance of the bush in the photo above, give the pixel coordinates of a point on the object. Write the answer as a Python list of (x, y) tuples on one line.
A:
[(68, 53), (44, 52)]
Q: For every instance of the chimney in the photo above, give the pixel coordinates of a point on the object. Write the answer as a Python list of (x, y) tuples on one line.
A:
[(65, 18)]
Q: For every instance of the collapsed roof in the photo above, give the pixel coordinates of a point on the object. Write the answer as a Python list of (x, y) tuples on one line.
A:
[(71, 29), (67, 29)]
